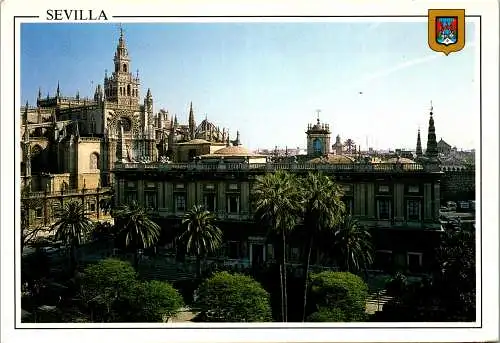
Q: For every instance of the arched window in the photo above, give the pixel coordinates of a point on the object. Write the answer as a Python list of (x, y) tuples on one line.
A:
[(128, 90), (120, 90), (94, 161), (124, 67), (36, 159), (92, 125)]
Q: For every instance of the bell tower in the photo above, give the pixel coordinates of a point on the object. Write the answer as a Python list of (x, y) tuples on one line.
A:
[(318, 138), (122, 87)]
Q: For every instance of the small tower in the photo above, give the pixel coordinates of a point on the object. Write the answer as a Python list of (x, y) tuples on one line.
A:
[(148, 113), (419, 145), (58, 91), (191, 122), (337, 146), (318, 138), (432, 151), (122, 87)]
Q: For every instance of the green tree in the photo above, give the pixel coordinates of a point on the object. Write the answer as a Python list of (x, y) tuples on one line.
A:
[(330, 315), (72, 227), (323, 210), (105, 285), (353, 246), (134, 222), (233, 298), (277, 204), (340, 290), (200, 236), (455, 279), (154, 301)]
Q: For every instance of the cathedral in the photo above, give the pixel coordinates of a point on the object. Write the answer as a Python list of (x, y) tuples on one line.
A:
[(73, 142)]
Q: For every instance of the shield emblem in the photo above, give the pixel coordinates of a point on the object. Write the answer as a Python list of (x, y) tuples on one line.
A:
[(446, 30)]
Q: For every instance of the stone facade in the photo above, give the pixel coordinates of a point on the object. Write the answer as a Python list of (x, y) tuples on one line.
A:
[(395, 201)]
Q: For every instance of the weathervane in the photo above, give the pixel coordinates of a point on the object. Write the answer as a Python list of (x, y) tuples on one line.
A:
[(431, 106), (317, 113)]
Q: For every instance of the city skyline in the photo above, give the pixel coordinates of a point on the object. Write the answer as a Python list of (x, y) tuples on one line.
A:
[(283, 80)]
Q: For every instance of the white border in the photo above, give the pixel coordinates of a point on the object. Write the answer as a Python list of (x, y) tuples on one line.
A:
[(489, 289)]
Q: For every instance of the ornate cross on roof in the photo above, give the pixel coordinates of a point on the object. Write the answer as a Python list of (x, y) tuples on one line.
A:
[(317, 113)]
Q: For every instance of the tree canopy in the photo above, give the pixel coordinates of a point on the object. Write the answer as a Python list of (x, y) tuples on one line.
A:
[(228, 297), (340, 291), (154, 301)]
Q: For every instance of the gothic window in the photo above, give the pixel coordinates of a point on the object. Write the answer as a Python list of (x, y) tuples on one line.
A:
[(128, 90), (92, 125), (36, 159), (317, 146), (94, 161), (125, 123), (121, 91), (124, 67)]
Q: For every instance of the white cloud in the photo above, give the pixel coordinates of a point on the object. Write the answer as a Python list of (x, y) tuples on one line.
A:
[(404, 65)]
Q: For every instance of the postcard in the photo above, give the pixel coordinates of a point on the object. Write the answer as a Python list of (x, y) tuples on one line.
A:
[(249, 172)]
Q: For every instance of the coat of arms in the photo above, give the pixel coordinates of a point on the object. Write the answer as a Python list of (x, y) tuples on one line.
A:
[(446, 30)]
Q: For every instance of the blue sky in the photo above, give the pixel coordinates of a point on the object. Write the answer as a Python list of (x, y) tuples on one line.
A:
[(268, 79)]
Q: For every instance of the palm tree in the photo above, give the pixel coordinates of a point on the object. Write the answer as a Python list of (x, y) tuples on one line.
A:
[(200, 234), (277, 205), (135, 223), (323, 210), (72, 227), (353, 245)]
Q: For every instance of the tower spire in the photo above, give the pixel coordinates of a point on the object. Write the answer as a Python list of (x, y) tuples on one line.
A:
[(419, 145), (191, 121), (431, 151), (39, 93), (58, 91)]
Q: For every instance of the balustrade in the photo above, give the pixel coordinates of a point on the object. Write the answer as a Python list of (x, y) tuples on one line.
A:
[(369, 168)]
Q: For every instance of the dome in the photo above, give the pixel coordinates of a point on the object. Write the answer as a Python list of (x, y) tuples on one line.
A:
[(234, 151), (333, 159)]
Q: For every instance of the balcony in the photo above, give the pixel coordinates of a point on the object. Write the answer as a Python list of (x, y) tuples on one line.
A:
[(271, 167), (68, 193)]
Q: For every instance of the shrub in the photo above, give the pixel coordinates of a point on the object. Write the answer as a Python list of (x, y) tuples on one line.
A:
[(340, 291), (327, 315), (154, 301), (233, 298)]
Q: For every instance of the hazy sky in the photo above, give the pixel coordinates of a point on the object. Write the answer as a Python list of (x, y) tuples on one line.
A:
[(267, 79)]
